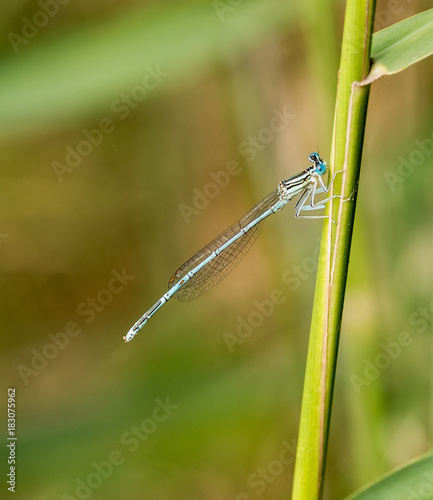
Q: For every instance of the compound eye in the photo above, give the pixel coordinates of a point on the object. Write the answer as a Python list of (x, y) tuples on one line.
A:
[(321, 167), (314, 158)]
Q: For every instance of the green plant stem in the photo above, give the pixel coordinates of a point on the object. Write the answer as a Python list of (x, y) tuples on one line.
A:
[(349, 126)]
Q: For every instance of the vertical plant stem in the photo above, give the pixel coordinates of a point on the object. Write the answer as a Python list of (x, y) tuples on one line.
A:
[(348, 136)]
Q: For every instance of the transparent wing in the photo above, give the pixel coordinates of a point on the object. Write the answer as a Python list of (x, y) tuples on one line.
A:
[(218, 268)]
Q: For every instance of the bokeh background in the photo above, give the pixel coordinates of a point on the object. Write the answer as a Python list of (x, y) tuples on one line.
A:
[(205, 402)]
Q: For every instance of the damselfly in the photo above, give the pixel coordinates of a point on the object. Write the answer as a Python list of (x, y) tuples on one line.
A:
[(213, 262)]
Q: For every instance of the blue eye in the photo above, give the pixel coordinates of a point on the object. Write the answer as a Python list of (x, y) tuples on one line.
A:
[(321, 167)]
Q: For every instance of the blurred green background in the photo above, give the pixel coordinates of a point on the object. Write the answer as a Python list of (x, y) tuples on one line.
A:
[(117, 121)]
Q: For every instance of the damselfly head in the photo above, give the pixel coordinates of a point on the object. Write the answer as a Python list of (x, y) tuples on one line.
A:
[(319, 164)]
